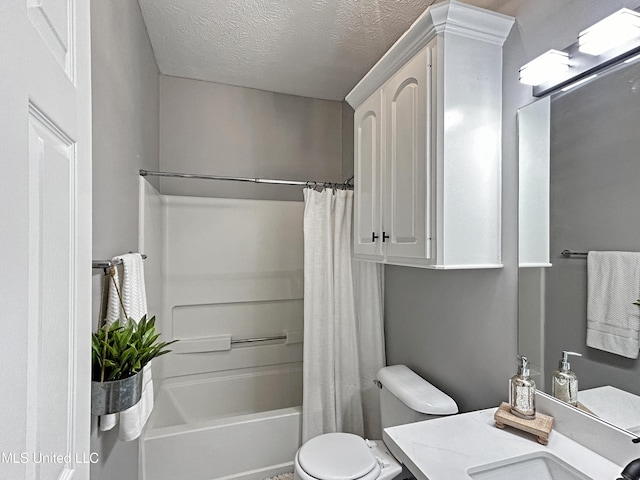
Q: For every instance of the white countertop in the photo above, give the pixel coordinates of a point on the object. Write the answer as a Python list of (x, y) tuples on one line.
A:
[(444, 448), (613, 405)]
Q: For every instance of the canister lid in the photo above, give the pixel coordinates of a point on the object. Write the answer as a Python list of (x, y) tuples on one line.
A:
[(337, 456), (415, 392)]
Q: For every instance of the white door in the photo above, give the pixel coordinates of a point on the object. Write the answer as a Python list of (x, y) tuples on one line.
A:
[(368, 174), (408, 159), (45, 239)]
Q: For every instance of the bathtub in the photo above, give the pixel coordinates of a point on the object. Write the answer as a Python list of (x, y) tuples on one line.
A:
[(244, 426)]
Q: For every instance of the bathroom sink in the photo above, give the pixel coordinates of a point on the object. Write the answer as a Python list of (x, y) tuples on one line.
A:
[(534, 466)]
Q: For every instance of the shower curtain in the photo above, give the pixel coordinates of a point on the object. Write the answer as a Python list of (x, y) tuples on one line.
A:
[(343, 337)]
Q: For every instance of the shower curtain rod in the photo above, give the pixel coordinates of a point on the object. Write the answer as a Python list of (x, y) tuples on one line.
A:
[(345, 184)]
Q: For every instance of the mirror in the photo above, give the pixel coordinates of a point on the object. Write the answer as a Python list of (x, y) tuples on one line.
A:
[(589, 137)]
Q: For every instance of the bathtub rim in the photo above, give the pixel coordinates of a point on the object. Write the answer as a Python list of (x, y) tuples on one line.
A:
[(172, 430), (167, 391)]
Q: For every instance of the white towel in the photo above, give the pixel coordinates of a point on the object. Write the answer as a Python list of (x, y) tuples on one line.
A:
[(613, 321), (114, 310), (134, 298), (133, 419)]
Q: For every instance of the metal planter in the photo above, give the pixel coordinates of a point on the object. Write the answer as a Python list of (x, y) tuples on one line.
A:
[(116, 395)]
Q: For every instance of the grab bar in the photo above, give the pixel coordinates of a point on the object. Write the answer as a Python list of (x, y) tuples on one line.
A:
[(221, 343), (258, 339)]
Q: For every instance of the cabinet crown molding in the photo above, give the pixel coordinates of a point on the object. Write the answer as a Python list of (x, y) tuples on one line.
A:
[(449, 17)]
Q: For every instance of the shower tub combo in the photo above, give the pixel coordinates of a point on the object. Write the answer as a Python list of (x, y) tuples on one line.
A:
[(225, 277), (243, 426)]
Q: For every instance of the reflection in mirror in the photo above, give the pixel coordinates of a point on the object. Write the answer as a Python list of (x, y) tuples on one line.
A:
[(533, 184), (593, 136)]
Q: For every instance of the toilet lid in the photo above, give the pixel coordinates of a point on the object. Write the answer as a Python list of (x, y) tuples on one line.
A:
[(336, 456)]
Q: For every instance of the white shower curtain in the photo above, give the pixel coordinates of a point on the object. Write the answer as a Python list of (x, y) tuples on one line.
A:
[(336, 375)]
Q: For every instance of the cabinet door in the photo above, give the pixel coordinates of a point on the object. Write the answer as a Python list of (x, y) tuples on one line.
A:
[(408, 160), (368, 175)]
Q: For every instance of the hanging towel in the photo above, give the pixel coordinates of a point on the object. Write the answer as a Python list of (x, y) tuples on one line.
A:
[(613, 321), (134, 300)]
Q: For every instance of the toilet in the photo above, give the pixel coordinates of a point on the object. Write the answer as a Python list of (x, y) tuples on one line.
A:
[(405, 397)]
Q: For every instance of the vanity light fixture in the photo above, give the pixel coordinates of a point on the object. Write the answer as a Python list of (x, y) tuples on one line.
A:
[(632, 59), (617, 29), (544, 67), (610, 41), (579, 82)]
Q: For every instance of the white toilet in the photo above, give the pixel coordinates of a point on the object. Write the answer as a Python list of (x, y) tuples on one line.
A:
[(405, 397)]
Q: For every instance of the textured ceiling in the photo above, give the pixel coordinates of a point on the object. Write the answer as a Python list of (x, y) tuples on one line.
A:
[(313, 48)]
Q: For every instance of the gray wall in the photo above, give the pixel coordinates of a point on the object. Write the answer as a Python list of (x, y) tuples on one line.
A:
[(199, 127), (459, 329), (224, 130), (594, 206), (125, 139), (347, 140)]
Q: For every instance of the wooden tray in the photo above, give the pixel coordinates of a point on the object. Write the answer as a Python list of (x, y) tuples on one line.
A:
[(540, 426)]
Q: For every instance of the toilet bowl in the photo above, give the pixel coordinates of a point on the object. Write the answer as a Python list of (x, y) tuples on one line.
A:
[(405, 397), (344, 456)]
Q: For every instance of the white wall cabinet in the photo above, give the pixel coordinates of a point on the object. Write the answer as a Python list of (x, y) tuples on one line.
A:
[(428, 124), (368, 189)]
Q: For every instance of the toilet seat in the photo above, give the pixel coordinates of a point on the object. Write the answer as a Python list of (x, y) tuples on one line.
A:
[(336, 456)]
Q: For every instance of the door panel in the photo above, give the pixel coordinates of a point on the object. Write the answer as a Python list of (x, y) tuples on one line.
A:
[(404, 148), (52, 213), (45, 196), (368, 171), (54, 22), (408, 159)]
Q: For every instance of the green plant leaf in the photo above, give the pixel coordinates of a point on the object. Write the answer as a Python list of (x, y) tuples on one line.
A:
[(123, 349)]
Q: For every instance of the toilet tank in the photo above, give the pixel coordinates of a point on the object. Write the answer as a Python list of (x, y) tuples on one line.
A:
[(405, 397)]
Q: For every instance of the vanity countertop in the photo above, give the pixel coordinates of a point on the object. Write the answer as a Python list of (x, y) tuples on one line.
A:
[(445, 448), (613, 405)]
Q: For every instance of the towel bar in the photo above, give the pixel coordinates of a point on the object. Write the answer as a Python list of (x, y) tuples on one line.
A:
[(104, 264), (569, 253)]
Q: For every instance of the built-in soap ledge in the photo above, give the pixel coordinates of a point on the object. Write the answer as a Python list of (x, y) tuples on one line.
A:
[(221, 343)]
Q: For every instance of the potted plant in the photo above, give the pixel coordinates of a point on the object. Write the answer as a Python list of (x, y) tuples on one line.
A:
[(119, 352)]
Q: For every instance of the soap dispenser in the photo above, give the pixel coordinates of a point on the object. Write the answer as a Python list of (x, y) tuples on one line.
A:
[(522, 391), (564, 383)]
